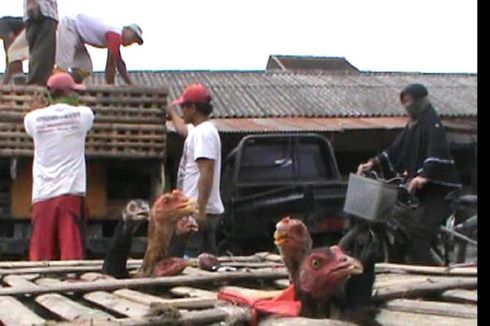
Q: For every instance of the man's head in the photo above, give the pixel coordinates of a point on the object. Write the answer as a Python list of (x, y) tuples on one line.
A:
[(132, 34), (195, 101), (62, 84), (414, 99)]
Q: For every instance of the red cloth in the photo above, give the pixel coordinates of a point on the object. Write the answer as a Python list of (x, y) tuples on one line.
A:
[(284, 304), (57, 225)]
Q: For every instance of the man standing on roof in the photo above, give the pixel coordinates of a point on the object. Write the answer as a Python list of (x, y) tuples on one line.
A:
[(58, 171), (200, 165), (41, 19), (421, 154), (12, 32), (75, 32)]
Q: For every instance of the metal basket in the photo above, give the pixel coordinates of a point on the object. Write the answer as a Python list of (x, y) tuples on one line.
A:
[(369, 199)]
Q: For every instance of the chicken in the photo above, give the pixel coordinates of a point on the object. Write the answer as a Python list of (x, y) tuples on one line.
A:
[(342, 282), (133, 215), (293, 241), (165, 215), (171, 213)]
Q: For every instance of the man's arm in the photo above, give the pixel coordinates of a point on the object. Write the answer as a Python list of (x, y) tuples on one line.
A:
[(114, 59), (205, 184), (110, 69), (121, 67), (179, 124)]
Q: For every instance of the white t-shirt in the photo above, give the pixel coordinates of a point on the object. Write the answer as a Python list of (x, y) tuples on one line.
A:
[(202, 142), (59, 133), (93, 30)]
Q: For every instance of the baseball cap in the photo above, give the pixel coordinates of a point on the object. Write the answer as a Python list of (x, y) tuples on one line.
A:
[(63, 81), (137, 31), (194, 93)]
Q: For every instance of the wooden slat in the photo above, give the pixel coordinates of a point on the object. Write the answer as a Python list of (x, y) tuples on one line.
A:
[(116, 303), (252, 293), (431, 286), (398, 280), (185, 280), (301, 321), (19, 282), (179, 303), (462, 271), (70, 310), (433, 308), (282, 283), (230, 314), (397, 318), (458, 295), (185, 291), (14, 313)]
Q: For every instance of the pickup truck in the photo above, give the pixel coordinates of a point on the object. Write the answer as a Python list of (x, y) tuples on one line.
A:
[(269, 176)]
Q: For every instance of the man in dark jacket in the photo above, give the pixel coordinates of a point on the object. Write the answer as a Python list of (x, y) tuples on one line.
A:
[(420, 153)]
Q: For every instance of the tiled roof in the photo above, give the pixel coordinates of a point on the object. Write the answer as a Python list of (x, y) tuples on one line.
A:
[(267, 94)]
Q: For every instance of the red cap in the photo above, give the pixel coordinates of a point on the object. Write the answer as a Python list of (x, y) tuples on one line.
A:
[(195, 93), (63, 81)]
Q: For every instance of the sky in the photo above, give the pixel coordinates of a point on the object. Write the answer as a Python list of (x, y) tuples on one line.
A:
[(434, 36)]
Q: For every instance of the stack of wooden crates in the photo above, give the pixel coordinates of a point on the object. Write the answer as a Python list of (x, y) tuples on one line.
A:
[(129, 127)]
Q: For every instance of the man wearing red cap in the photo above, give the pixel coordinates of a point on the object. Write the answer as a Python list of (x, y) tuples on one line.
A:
[(200, 165), (58, 171)]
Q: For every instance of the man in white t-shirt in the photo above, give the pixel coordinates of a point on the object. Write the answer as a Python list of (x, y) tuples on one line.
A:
[(58, 172), (74, 33), (200, 165)]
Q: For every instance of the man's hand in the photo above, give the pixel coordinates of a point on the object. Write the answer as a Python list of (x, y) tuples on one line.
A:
[(417, 183), (364, 167)]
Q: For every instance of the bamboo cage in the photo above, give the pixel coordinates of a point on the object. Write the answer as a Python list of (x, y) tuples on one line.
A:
[(76, 293)]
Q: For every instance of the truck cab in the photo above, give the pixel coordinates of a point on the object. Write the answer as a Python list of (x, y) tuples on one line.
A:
[(270, 176)]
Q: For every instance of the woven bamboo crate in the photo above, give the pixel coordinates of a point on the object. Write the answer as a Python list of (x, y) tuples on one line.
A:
[(129, 121)]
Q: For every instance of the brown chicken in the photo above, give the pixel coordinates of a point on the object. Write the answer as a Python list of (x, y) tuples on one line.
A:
[(171, 213), (165, 215), (293, 242)]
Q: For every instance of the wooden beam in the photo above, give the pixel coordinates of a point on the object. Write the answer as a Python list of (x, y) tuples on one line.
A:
[(458, 295), (117, 304), (68, 309), (179, 303), (17, 314), (433, 308), (399, 318)]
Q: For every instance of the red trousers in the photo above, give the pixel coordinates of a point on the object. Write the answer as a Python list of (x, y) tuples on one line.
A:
[(58, 226)]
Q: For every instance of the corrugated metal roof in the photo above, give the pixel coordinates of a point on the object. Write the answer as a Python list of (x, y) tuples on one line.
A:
[(293, 62), (266, 125), (263, 94)]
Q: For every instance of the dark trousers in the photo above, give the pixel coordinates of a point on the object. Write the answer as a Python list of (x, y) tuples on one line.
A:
[(41, 37), (425, 221)]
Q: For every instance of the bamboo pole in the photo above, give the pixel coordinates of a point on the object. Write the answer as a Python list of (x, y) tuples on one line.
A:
[(442, 270), (149, 282), (426, 288)]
